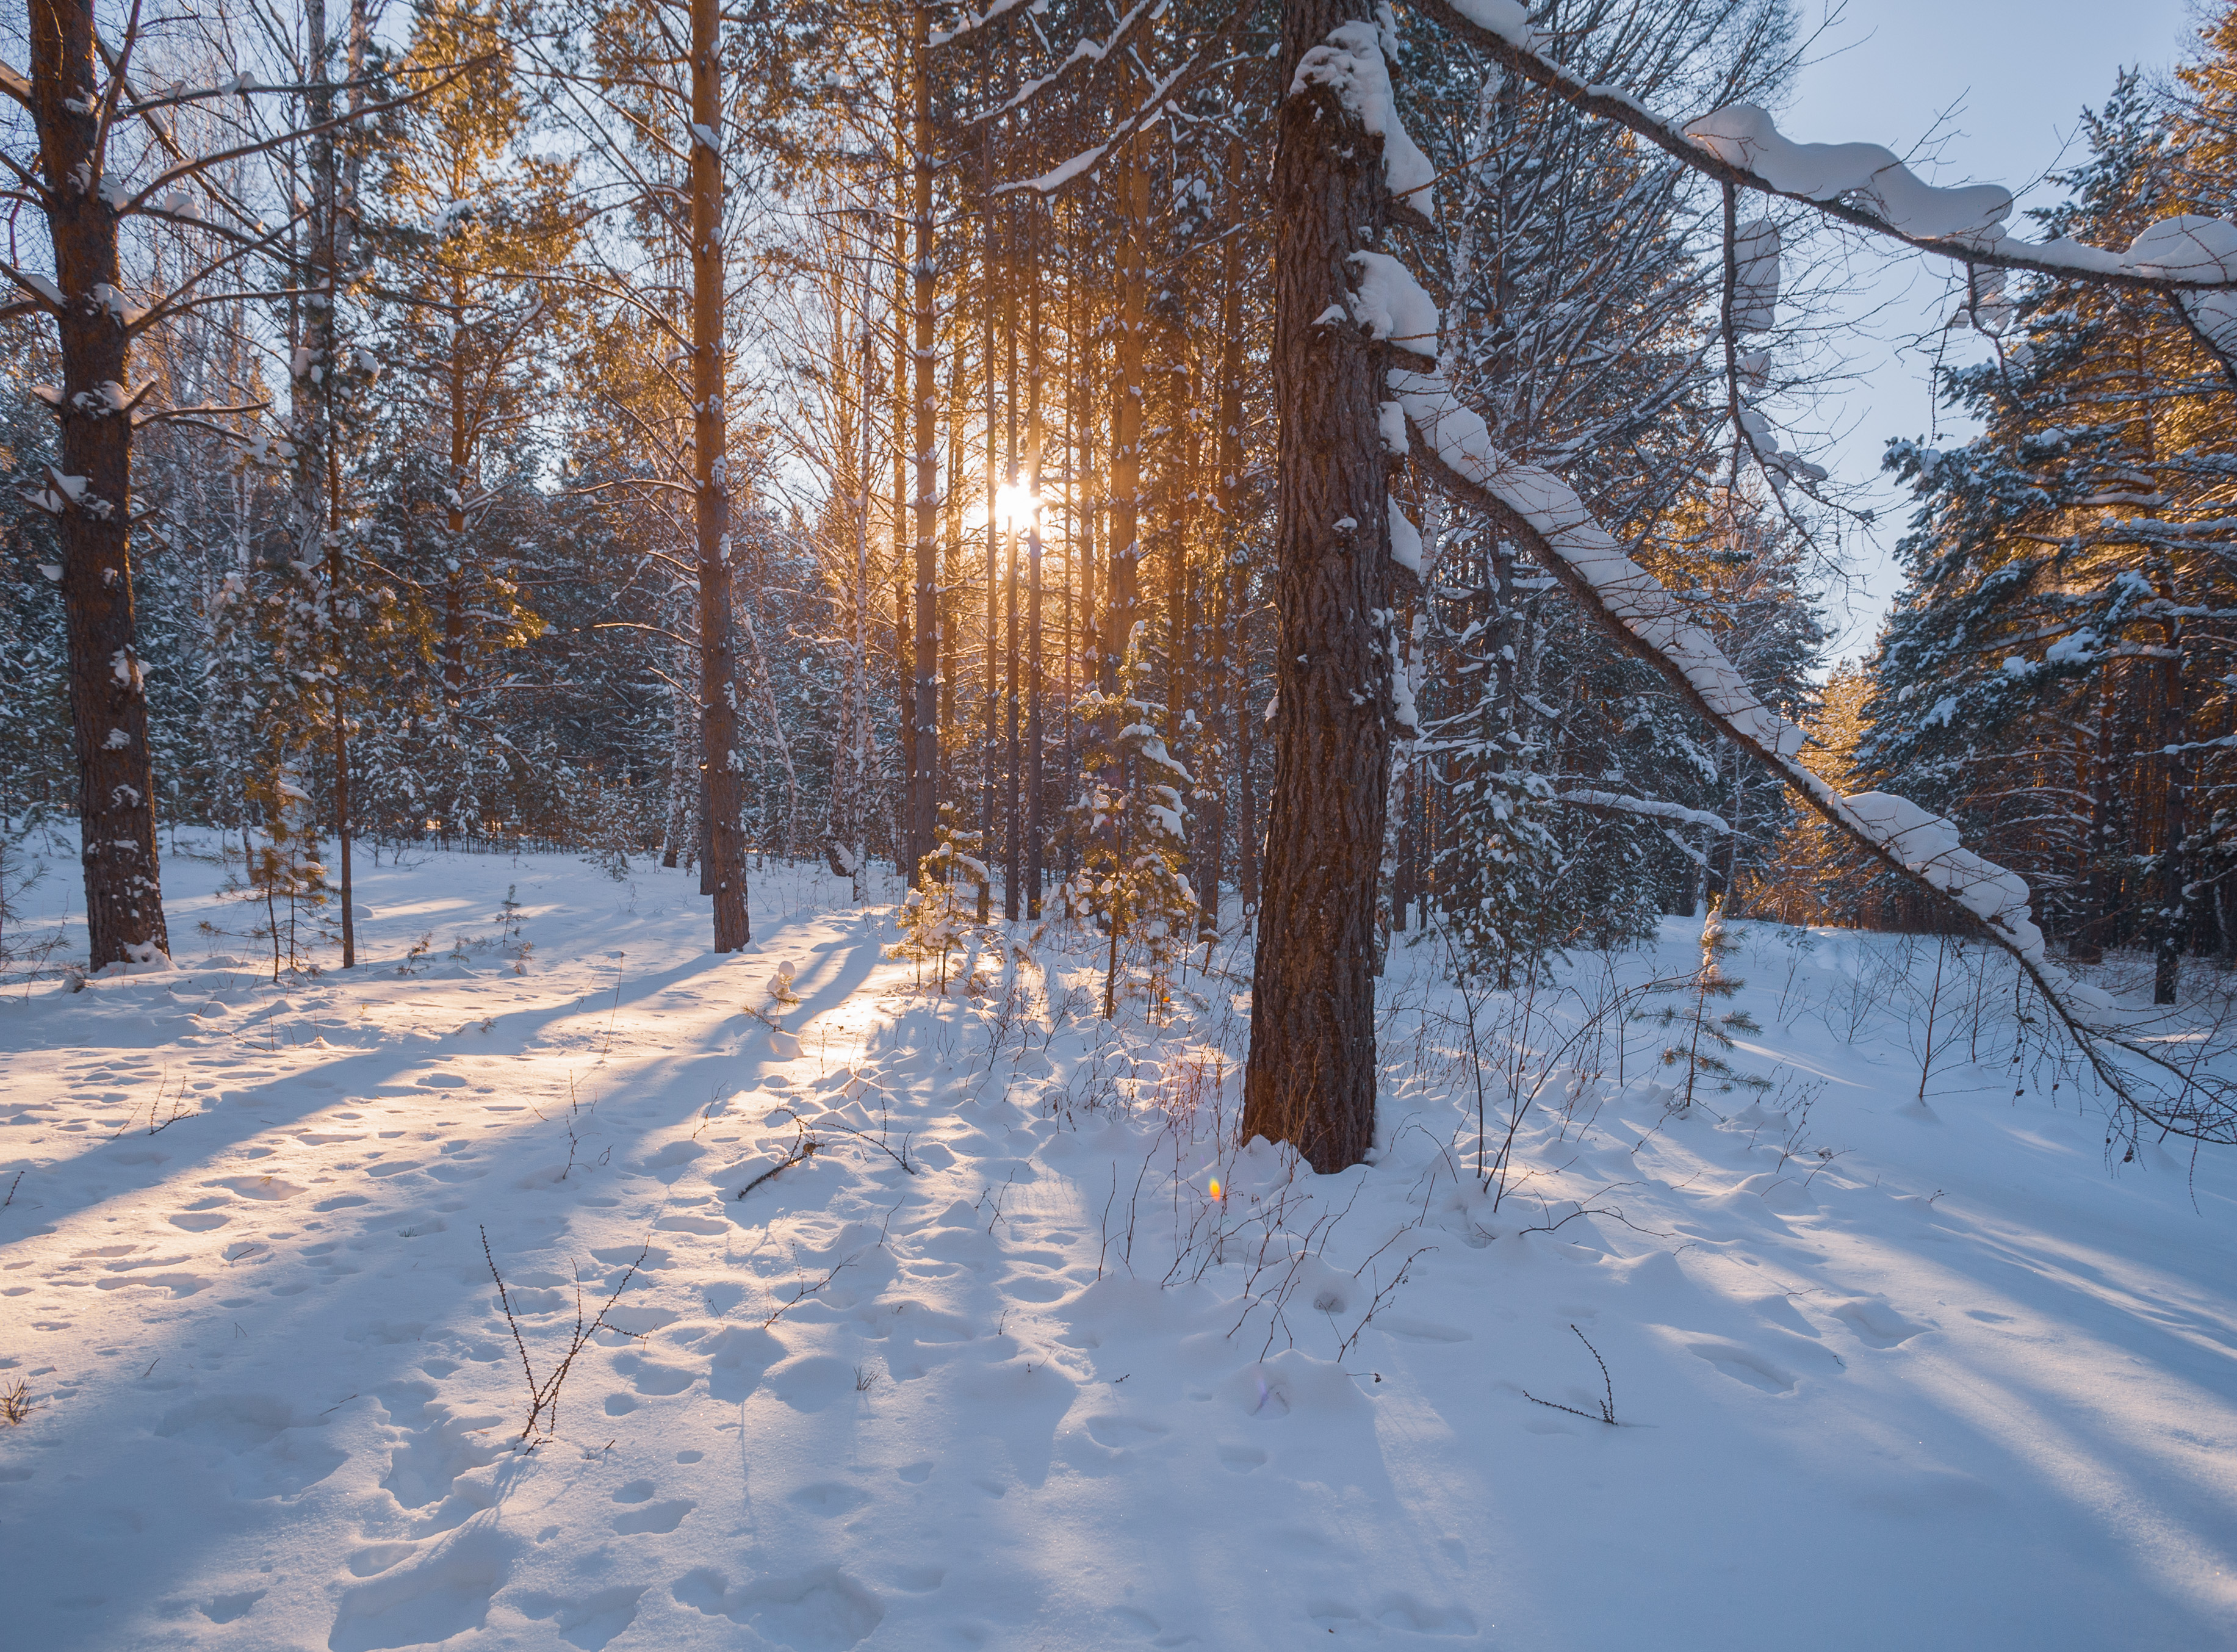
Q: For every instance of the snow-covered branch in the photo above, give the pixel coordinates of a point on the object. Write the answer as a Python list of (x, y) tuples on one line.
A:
[(1861, 184), (1547, 518)]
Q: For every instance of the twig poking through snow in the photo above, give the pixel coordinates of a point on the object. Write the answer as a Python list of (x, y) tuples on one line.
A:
[(1607, 1405), (543, 1398)]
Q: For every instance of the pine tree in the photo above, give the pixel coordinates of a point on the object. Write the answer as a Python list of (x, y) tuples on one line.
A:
[(1132, 882), (932, 921), (1701, 1038)]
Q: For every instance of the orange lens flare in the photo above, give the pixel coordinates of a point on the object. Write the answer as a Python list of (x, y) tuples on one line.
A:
[(1215, 1188)]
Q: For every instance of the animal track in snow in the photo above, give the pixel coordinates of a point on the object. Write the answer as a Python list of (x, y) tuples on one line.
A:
[(662, 1517), (820, 1610), (828, 1497), (443, 1591), (1876, 1323), (1743, 1364), (267, 1450), (589, 1622)]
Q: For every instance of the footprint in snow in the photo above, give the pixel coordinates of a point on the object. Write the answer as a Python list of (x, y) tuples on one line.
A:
[(590, 1621), (659, 1518), (820, 1610), (1743, 1364), (1876, 1323), (829, 1498)]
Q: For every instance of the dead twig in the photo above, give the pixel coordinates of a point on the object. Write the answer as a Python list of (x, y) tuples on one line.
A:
[(544, 1396), (1607, 1405)]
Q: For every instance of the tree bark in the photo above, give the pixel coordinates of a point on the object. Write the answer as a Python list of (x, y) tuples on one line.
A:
[(1310, 1078), (990, 742), (1034, 442), (93, 497), (725, 841), (1227, 457), (924, 762)]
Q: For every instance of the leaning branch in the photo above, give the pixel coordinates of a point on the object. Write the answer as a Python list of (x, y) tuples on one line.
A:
[(1546, 518), (1980, 244)]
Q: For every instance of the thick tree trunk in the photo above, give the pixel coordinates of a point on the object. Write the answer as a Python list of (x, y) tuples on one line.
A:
[(1125, 551), (718, 725), (1310, 1078), (2172, 922), (906, 850), (109, 705), (989, 745)]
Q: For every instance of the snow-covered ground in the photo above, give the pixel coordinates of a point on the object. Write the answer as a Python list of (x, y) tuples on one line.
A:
[(994, 1367)]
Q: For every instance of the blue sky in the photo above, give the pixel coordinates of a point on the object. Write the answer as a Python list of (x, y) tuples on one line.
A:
[(2018, 73)]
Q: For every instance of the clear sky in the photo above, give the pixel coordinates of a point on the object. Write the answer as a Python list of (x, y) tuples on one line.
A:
[(2016, 73)]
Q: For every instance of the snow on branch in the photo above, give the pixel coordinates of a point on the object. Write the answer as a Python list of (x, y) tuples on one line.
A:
[(1552, 524), (1863, 184), (1086, 49), (1183, 78), (971, 24), (1349, 63), (1616, 802)]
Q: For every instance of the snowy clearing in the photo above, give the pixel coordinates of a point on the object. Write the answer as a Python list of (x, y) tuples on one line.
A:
[(993, 1365)]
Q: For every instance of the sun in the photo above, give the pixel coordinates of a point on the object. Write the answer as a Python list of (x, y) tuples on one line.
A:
[(1015, 507)]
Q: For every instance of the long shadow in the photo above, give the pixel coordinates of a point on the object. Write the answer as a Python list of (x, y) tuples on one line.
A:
[(232, 1400), (382, 1073)]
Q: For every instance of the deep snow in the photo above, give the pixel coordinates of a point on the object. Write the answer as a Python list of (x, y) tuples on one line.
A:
[(1956, 1385)]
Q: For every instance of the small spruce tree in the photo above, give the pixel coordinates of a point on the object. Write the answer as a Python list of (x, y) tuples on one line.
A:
[(1129, 821), (1700, 1038), (933, 922)]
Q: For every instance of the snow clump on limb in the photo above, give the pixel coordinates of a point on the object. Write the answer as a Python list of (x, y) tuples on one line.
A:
[(2183, 248), (2189, 247), (1509, 19), (1742, 135), (1349, 63), (1390, 304), (1755, 294)]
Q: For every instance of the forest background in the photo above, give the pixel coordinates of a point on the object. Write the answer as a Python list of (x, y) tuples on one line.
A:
[(462, 311)]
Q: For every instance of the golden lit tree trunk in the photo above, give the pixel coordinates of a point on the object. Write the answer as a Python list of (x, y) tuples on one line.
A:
[(718, 723)]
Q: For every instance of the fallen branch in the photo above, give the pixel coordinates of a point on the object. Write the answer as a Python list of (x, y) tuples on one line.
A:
[(804, 1148)]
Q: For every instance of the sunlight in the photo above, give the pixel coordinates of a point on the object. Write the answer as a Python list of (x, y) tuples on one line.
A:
[(1015, 507)]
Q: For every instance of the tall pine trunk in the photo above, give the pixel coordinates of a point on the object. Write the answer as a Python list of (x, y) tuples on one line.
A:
[(109, 705), (924, 774), (718, 721), (1034, 436), (1310, 1078)]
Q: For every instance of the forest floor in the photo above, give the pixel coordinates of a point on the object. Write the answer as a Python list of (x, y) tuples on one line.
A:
[(993, 1366)]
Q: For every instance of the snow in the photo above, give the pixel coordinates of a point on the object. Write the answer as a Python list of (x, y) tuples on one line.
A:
[(1744, 135), (1651, 808), (1755, 294), (2185, 247), (1924, 844), (1509, 19), (1405, 540), (1390, 304), (1884, 1372), (1350, 64), (1632, 595), (1929, 844)]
